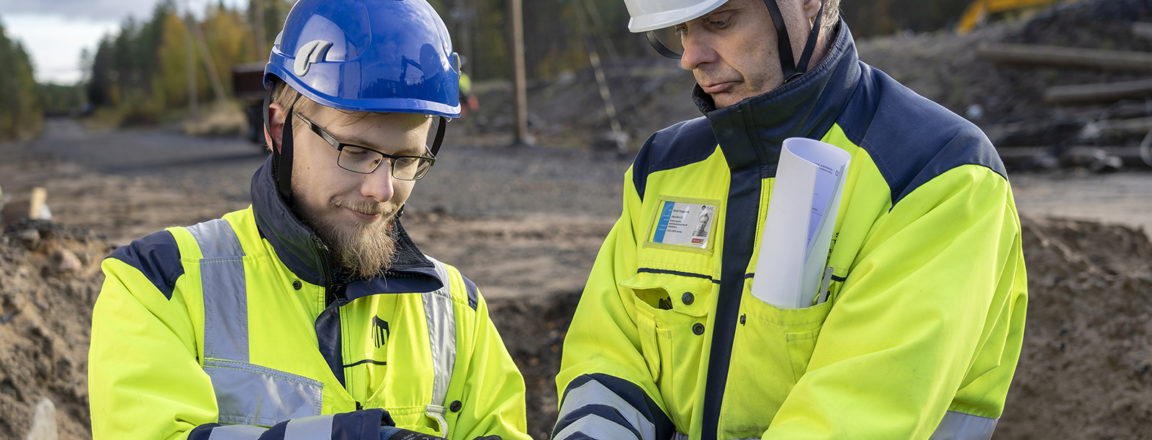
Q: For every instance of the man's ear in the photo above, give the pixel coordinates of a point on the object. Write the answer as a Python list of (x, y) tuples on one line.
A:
[(811, 8), (276, 115)]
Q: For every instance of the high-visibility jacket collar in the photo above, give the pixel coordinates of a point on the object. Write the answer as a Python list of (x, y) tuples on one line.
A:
[(305, 255), (751, 131)]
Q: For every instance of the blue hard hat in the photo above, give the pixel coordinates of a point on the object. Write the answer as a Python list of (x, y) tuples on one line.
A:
[(368, 55)]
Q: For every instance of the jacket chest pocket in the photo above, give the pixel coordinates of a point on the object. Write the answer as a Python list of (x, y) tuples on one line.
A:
[(770, 353), (671, 314)]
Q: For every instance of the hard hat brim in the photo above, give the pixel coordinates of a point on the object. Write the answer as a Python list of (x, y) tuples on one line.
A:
[(651, 21)]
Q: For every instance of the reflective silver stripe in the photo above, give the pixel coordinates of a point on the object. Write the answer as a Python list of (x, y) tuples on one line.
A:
[(597, 427), (960, 426), (225, 294), (309, 428), (440, 313), (246, 394), (679, 436), (249, 394), (236, 432), (595, 393)]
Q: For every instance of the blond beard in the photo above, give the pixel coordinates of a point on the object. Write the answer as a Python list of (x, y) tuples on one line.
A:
[(363, 251)]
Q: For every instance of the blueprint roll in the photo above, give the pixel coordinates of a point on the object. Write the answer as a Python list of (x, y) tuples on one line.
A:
[(791, 268)]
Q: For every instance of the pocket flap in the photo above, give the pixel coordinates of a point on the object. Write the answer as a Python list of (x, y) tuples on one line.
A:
[(687, 294)]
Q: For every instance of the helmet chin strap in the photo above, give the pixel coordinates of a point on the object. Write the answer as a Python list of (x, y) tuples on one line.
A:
[(790, 69), (281, 157), (441, 126)]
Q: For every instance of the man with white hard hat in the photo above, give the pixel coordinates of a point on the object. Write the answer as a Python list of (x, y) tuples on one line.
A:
[(918, 330)]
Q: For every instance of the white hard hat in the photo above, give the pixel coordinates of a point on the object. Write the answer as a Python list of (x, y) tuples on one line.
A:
[(650, 15)]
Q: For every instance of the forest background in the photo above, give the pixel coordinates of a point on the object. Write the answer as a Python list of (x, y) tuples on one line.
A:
[(140, 74)]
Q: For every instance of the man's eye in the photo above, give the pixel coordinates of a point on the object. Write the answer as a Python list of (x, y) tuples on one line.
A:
[(354, 152), (718, 21)]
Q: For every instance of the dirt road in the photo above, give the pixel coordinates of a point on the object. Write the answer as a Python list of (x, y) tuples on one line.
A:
[(125, 184), (517, 221)]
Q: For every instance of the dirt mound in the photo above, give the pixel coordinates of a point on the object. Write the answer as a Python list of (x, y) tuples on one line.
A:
[(49, 279), (1085, 371), (533, 329), (1098, 24), (1007, 101), (1086, 366)]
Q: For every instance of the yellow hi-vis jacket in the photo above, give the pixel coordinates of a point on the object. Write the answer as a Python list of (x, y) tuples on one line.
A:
[(238, 328), (923, 328)]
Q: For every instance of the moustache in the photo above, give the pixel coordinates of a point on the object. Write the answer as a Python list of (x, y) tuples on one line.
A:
[(362, 207)]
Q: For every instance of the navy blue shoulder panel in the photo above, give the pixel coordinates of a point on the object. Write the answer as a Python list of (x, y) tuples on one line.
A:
[(473, 292), (910, 138), (157, 257), (673, 147)]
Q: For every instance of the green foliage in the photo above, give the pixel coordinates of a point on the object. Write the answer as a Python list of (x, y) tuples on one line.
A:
[(554, 34), (147, 63), (231, 41), (143, 70), (273, 13), (61, 99), (20, 108)]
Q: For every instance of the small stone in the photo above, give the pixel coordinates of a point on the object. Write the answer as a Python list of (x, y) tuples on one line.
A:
[(66, 261), (43, 422), (29, 237)]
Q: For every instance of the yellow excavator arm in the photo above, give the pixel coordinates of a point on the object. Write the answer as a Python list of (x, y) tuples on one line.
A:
[(980, 9)]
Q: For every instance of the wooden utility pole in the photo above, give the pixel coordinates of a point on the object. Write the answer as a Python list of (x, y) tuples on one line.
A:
[(258, 15), (191, 68), (618, 136), (519, 78), (210, 65)]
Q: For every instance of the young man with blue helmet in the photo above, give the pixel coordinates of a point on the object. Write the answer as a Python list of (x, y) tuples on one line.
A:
[(311, 314), (917, 331)]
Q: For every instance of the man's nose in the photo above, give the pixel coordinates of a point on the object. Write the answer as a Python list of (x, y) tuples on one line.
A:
[(378, 184), (697, 51)]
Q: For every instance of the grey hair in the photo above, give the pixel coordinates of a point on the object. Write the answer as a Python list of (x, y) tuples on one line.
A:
[(831, 14)]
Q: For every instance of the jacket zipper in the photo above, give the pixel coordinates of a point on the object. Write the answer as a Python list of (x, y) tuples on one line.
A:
[(332, 288)]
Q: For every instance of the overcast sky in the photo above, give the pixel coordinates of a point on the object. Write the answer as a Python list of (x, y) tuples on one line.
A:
[(55, 31)]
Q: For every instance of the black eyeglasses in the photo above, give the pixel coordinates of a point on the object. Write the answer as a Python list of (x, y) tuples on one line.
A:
[(364, 160)]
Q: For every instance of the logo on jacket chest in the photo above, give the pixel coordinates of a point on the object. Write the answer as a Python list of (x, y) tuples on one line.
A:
[(380, 331)]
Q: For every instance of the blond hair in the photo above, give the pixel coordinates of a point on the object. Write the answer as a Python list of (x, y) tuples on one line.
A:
[(285, 96)]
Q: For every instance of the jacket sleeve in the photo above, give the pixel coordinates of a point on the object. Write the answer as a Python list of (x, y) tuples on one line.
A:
[(934, 303), (144, 379), (605, 386), (492, 396)]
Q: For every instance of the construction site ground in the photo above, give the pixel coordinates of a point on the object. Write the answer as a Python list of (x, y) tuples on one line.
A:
[(525, 224)]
